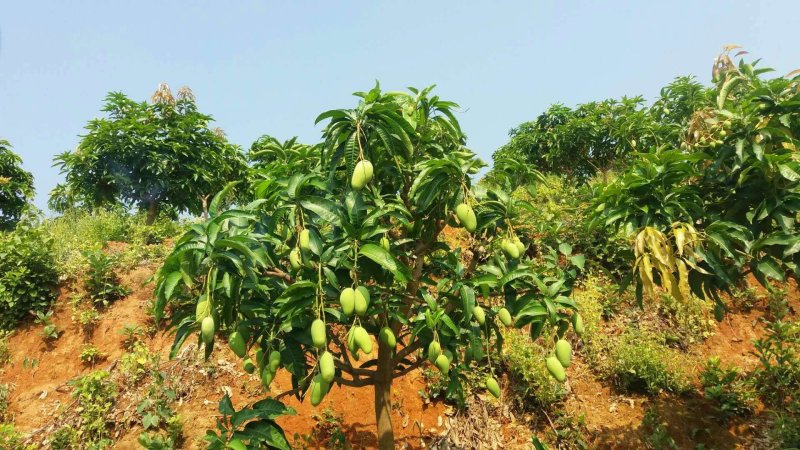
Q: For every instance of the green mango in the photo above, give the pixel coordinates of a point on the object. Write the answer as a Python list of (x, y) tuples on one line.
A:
[(362, 174), (274, 361), (295, 259), (466, 216), (327, 368), (319, 389), (237, 344), (303, 240), (442, 363), (203, 309), (361, 303), (260, 357), (508, 247), (577, 324), (318, 334), (267, 376), (362, 340), (480, 315), (555, 368), (387, 337), (249, 367), (520, 246), (207, 329), (385, 243), (434, 350), (563, 352), (492, 386), (504, 316), (347, 300)]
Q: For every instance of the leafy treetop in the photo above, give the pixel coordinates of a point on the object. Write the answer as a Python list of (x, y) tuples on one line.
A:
[(16, 186)]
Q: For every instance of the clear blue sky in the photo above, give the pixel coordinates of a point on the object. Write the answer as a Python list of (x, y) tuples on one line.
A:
[(270, 67)]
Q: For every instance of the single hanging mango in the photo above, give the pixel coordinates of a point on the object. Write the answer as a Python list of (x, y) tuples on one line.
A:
[(295, 259), (362, 340), (361, 300), (327, 368), (577, 324), (466, 216), (563, 352), (480, 315), (207, 330), (319, 389), (385, 243), (504, 316), (493, 387), (362, 174), (387, 337), (304, 240), (237, 344), (434, 350), (556, 369), (443, 364), (508, 247), (347, 300), (318, 334)]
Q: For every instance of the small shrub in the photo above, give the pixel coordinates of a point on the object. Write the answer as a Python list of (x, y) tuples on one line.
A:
[(639, 361), (131, 335), (328, 430), (28, 276), (78, 232), (50, 330), (5, 353), (531, 383), (136, 364), (687, 321), (5, 416), (102, 283), (728, 388), (163, 427), (91, 354), (65, 438), (657, 437), (96, 395), (11, 439)]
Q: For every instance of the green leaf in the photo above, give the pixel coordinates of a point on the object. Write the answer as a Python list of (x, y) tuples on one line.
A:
[(324, 208), (386, 260), (170, 282)]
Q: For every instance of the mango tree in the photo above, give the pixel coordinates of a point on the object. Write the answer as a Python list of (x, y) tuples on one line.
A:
[(16, 186), (336, 271), (722, 201)]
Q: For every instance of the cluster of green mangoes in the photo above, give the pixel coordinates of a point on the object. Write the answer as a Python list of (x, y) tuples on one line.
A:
[(716, 134), (562, 353), (512, 247)]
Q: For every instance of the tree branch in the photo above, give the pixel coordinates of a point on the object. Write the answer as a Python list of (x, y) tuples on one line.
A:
[(413, 366), (407, 350), (278, 273)]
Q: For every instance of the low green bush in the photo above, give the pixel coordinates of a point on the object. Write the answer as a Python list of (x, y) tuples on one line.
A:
[(102, 284), (96, 395), (640, 361), (531, 383), (28, 276), (729, 389)]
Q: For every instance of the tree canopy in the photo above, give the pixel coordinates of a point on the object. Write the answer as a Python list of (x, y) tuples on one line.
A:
[(16, 186), (149, 155), (598, 136)]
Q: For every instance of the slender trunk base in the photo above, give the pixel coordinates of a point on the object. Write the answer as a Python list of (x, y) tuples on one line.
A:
[(383, 398), (152, 213)]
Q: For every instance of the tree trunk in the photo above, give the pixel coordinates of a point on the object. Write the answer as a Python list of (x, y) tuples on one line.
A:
[(383, 398), (152, 212)]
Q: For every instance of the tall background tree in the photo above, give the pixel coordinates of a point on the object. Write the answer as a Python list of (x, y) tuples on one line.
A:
[(149, 156), (16, 186)]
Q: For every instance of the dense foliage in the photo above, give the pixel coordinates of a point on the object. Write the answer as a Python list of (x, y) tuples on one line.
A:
[(595, 137), (16, 186), (270, 272), (723, 201), (149, 155), (27, 273)]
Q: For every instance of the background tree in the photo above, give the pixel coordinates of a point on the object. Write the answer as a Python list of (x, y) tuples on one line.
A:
[(16, 186), (331, 260), (149, 155), (722, 200)]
